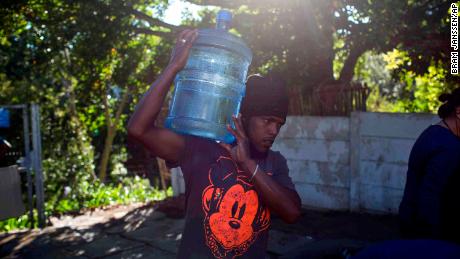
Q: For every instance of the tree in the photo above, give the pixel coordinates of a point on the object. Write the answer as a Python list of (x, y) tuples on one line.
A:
[(296, 37), (82, 61), (85, 61)]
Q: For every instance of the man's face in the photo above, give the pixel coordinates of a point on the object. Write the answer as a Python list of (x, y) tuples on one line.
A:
[(262, 131)]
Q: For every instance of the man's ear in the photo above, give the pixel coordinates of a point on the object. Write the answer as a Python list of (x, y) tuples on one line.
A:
[(457, 112)]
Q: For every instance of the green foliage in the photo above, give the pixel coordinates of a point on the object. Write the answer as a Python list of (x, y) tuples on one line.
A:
[(396, 89), (321, 41), (371, 70), (423, 90), (300, 34), (94, 194), (67, 56), (18, 223)]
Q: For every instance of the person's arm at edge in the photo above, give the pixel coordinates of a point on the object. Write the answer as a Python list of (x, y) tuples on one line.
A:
[(161, 142)]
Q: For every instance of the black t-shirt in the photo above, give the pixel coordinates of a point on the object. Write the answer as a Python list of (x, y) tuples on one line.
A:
[(225, 217), (432, 186)]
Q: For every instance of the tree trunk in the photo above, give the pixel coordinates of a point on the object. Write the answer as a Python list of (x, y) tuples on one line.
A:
[(111, 132), (348, 70), (76, 122), (163, 171), (106, 153)]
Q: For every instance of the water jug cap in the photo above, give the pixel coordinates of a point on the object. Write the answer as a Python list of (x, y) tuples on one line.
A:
[(224, 15)]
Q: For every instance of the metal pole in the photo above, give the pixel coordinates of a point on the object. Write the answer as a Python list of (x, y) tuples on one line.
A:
[(27, 165), (17, 106), (36, 140)]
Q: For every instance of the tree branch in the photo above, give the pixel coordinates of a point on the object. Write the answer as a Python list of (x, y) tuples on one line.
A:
[(224, 4), (346, 75), (156, 22), (121, 106), (235, 4), (161, 34), (106, 111)]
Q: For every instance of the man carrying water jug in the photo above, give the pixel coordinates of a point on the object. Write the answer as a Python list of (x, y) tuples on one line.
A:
[(231, 189)]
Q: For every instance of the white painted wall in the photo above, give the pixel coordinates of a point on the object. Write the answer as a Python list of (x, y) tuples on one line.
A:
[(381, 145), (318, 153)]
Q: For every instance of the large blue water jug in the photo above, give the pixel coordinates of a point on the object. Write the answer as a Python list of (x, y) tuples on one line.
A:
[(210, 87)]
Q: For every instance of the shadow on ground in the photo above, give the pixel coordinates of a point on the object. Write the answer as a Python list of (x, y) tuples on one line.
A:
[(154, 231)]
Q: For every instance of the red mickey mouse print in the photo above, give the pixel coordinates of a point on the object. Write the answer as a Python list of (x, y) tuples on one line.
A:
[(232, 224), (234, 216)]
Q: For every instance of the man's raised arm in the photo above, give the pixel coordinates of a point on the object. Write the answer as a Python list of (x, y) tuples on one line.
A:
[(161, 142)]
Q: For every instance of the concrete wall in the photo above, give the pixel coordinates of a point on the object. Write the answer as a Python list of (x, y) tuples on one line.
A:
[(381, 146), (357, 163), (318, 153)]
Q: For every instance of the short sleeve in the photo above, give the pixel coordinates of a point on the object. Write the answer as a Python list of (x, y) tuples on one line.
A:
[(197, 153), (186, 153), (281, 172), (186, 159)]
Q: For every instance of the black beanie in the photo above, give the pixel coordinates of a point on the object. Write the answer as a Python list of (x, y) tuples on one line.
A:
[(265, 96)]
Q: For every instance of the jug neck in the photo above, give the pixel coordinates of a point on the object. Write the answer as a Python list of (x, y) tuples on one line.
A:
[(224, 20), (223, 25)]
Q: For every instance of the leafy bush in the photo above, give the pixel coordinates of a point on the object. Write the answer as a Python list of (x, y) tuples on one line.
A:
[(92, 195), (17, 223)]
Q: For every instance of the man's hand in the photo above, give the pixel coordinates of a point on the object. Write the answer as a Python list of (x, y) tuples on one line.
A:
[(240, 152), (281, 200), (182, 48)]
